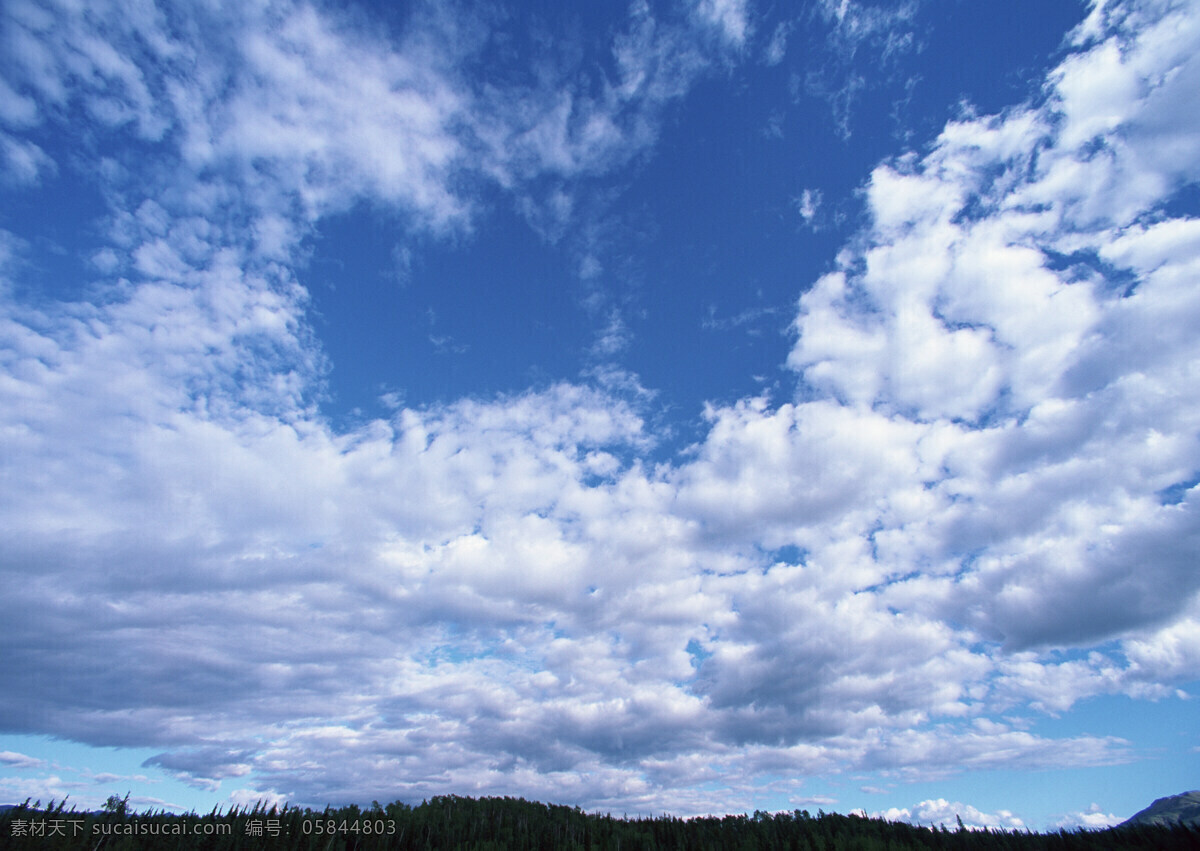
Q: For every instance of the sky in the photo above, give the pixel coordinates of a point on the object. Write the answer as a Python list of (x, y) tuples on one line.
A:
[(687, 407)]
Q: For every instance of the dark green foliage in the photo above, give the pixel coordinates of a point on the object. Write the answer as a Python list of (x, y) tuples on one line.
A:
[(492, 824)]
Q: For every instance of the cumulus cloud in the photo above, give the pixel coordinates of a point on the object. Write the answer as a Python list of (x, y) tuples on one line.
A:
[(955, 320), (1093, 818), (939, 812), (499, 596)]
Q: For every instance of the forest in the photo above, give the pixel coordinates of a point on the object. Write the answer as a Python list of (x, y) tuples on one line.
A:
[(492, 824)]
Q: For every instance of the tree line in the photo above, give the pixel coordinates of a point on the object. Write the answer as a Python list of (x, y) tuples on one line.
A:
[(498, 824)]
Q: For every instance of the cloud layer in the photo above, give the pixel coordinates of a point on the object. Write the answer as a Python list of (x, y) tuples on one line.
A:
[(979, 505)]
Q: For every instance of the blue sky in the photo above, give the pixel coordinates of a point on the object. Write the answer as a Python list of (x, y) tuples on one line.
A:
[(694, 407)]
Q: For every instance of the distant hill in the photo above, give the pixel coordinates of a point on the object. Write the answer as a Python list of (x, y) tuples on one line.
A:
[(1177, 809)]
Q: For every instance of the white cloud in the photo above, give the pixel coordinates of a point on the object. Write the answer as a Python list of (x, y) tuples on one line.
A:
[(613, 337), (20, 760), (503, 596), (572, 123), (344, 117), (939, 812), (1170, 654), (957, 323), (1094, 818), (250, 798), (855, 23), (15, 109), (50, 788), (729, 16), (808, 204), (857, 32), (23, 163), (777, 47), (57, 49)]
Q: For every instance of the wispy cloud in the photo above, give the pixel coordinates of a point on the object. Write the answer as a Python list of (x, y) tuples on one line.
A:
[(20, 760), (728, 16), (855, 29), (746, 317), (807, 205), (777, 47)]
